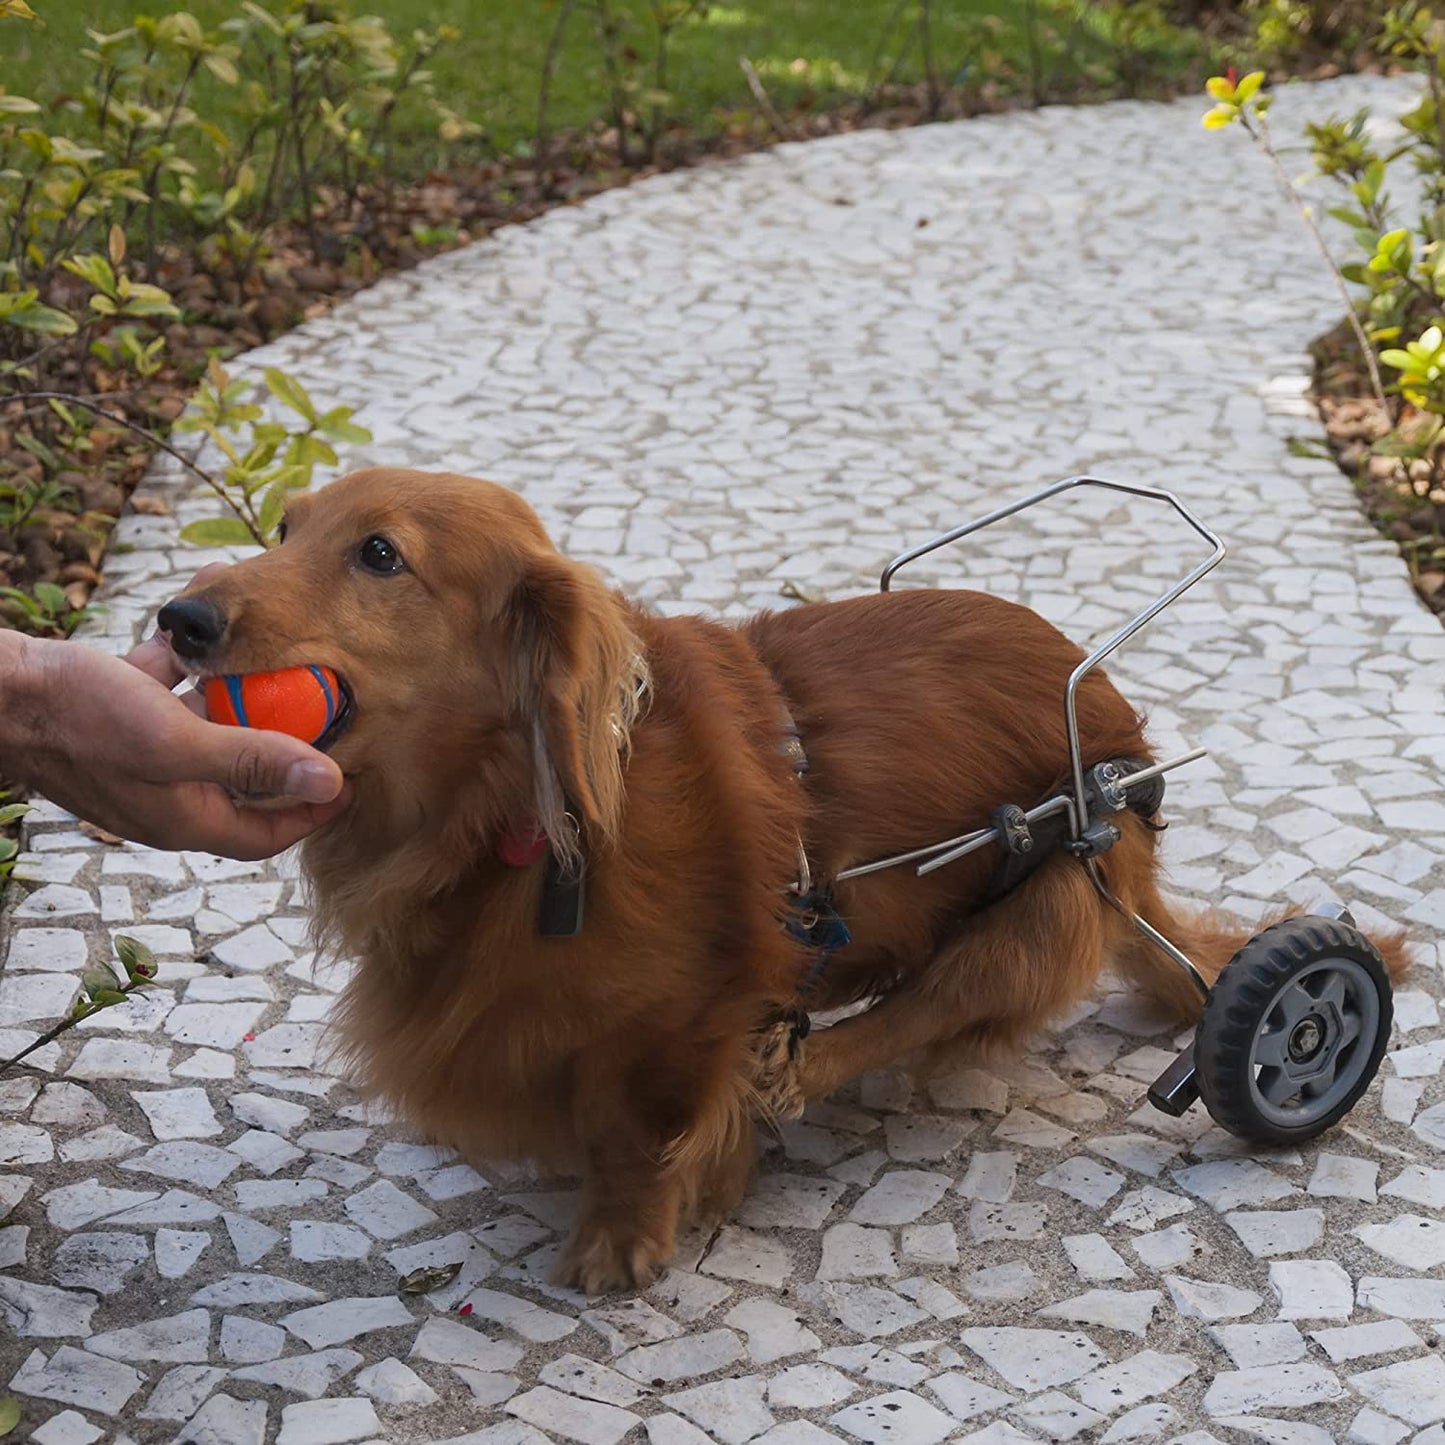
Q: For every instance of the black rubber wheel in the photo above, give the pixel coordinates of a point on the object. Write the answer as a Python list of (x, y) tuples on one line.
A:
[(1293, 1031)]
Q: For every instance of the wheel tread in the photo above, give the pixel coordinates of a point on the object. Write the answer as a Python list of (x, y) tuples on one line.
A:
[(1232, 1014)]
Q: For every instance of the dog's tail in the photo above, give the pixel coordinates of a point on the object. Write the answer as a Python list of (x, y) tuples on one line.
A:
[(1209, 938)]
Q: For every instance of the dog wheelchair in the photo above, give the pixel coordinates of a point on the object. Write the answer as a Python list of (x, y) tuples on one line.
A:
[(1294, 1028)]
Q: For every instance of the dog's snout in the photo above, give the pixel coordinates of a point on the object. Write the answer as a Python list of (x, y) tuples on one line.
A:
[(195, 625)]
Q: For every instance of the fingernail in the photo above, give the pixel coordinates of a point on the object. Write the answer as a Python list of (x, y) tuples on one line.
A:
[(312, 782)]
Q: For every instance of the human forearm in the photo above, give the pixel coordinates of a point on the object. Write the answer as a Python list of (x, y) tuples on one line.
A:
[(23, 662)]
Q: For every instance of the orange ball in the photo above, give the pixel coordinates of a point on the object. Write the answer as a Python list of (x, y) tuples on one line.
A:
[(301, 701)]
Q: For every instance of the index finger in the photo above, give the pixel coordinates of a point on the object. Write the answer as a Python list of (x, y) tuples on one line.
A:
[(155, 658)]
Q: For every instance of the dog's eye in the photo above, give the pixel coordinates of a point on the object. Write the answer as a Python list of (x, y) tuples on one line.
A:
[(376, 554)]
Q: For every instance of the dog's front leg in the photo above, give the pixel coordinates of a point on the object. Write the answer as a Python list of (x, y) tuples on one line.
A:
[(631, 1198)]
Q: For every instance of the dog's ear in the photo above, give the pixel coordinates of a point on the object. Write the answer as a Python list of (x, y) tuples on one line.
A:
[(578, 674)]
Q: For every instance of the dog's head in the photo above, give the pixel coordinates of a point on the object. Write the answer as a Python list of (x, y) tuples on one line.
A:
[(482, 671)]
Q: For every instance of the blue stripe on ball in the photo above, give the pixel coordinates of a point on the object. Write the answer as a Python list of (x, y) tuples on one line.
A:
[(238, 699), (324, 684)]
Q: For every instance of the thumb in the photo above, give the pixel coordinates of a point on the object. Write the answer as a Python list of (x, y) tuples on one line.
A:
[(255, 763)]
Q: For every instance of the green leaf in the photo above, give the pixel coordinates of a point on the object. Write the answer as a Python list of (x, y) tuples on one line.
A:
[(262, 453), (137, 960), (289, 392), (1248, 86), (8, 849), (337, 424), (273, 506), (51, 598), (10, 812), (99, 978), (106, 997), (94, 269), (31, 607), (44, 319), (151, 306), (307, 450), (9, 1406), (223, 68), (218, 532)]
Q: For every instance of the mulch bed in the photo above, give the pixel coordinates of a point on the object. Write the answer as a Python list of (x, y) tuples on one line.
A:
[(347, 247), (1404, 495)]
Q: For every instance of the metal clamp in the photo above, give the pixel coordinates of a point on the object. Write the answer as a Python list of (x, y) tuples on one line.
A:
[(1105, 787), (1098, 837), (1014, 833)]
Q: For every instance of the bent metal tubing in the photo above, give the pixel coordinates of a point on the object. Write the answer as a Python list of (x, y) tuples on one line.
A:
[(937, 855)]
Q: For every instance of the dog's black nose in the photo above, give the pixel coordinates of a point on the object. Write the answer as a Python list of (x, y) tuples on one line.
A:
[(195, 624)]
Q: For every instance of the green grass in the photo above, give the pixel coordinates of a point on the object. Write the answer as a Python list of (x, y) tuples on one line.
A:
[(809, 51)]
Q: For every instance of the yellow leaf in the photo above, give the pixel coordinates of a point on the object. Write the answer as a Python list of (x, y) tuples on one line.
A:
[(116, 245), (17, 8), (1219, 87), (1249, 85), (1219, 117)]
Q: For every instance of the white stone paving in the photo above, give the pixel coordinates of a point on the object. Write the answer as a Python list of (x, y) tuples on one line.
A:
[(712, 385)]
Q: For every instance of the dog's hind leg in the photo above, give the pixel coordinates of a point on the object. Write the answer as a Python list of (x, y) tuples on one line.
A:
[(1024, 960)]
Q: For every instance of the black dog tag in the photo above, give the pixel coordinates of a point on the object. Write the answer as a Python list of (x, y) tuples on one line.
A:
[(562, 898)]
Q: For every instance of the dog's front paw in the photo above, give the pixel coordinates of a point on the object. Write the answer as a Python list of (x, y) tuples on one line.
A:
[(777, 1076), (600, 1259)]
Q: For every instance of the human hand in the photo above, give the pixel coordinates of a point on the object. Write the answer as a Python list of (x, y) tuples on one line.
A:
[(107, 739)]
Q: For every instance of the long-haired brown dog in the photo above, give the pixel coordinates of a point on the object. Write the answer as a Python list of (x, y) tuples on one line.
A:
[(495, 685)]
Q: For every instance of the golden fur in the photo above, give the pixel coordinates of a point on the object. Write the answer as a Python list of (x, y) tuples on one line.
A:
[(495, 680)]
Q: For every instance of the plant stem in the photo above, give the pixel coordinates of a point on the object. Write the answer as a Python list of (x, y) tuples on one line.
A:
[(873, 79), (659, 83), (66, 1023), (930, 67), (1258, 131), (755, 84), (303, 175), (154, 440), (544, 93), (1036, 64), (44, 1039), (607, 34)]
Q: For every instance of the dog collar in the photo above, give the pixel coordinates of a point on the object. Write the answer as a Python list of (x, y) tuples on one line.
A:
[(522, 843)]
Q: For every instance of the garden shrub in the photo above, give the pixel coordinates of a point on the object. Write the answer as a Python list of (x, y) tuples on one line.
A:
[(131, 192), (1393, 437)]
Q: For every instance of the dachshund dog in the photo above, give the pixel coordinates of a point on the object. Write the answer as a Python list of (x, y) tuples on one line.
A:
[(570, 873)]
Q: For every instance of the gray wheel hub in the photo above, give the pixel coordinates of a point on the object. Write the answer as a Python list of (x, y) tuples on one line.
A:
[(1313, 1041)]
